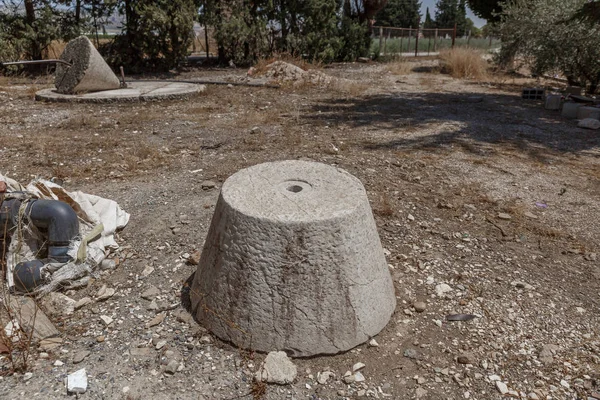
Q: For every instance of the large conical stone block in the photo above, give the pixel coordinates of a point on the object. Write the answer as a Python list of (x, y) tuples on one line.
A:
[(88, 71), (293, 262)]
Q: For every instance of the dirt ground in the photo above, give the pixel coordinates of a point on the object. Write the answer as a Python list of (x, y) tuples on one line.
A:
[(440, 158)]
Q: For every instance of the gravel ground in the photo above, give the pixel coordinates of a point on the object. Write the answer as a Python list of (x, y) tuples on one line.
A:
[(486, 205)]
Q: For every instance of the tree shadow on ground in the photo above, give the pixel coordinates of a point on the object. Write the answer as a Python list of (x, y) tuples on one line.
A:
[(472, 120)]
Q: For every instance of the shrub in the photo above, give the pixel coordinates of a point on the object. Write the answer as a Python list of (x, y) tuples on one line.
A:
[(551, 39), (464, 62)]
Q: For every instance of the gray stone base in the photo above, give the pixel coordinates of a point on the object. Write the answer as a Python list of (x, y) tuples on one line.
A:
[(136, 91)]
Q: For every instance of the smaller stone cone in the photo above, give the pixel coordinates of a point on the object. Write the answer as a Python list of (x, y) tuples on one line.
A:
[(88, 71)]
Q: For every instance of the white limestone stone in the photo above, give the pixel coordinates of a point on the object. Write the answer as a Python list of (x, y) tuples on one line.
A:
[(88, 71), (293, 262)]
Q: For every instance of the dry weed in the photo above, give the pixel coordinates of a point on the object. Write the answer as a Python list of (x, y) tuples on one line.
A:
[(385, 209), (79, 122), (55, 49), (464, 63), (400, 67), (349, 87)]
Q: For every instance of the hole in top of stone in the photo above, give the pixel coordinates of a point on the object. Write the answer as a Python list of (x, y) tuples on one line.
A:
[(295, 188)]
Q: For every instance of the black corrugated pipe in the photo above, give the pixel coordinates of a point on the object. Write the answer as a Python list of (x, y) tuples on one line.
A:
[(54, 217)]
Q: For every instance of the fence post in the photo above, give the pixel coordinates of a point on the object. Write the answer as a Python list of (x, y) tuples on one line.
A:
[(469, 38), (435, 40), (417, 43), (385, 38), (490, 41), (454, 36), (380, 41), (409, 35), (401, 42)]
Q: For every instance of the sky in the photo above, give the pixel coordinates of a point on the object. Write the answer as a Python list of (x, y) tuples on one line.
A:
[(431, 4)]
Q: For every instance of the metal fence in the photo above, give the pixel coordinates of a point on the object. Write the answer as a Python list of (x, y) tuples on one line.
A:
[(404, 41)]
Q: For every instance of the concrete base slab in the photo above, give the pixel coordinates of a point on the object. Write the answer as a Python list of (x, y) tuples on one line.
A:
[(136, 91)]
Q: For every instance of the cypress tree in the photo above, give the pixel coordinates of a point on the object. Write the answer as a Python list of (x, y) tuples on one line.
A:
[(399, 14)]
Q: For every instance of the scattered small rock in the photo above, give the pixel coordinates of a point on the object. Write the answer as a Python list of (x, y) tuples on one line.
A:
[(442, 289), (157, 320), (194, 258), (50, 343), (147, 271), (58, 363), (104, 293), (501, 386), (57, 304), (206, 185), (323, 377), (358, 366), (546, 354), (277, 368), (373, 343), (420, 392), (589, 123), (152, 306), (504, 216), (83, 302), (358, 377), (150, 293), (80, 356), (160, 344), (172, 367), (420, 306), (108, 264), (106, 319), (466, 358), (183, 316), (348, 377), (77, 382), (411, 353)]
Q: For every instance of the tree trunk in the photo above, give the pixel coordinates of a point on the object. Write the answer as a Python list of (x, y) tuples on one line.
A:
[(34, 48), (78, 12)]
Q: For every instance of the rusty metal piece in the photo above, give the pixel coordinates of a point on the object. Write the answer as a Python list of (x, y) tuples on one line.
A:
[(460, 317), (30, 62), (123, 83)]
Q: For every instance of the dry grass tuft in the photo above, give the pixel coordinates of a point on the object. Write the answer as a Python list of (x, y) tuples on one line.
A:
[(346, 86), (464, 63), (55, 49), (385, 208), (400, 67)]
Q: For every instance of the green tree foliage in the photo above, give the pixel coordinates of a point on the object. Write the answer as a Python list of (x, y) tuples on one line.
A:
[(429, 23), (470, 27), (546, 34), (589, 12), (489, 10), (400, 14), (156, 35), (320, 30), (27, 28), (450, 13)]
